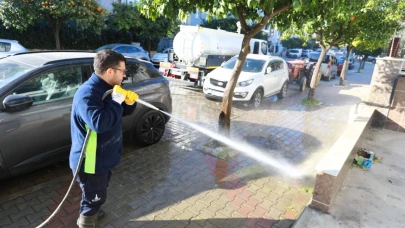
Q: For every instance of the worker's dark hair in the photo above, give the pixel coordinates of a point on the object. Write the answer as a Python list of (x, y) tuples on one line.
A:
[(107, 59)]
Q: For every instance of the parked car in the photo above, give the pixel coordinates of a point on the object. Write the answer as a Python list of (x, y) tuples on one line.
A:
[(305, 53), (161, 56), (10, 47), (261, 76), (371, 59), (328, 66), (295, 53), (127, 50), (340, 58), (36, 93)]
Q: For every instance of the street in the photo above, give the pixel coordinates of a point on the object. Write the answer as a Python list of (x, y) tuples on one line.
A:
[(186, 180)]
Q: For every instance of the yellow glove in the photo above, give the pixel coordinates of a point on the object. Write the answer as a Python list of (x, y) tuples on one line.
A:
[(131, 97), (118, 95)]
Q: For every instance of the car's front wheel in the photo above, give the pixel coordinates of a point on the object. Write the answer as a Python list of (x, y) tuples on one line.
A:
[(283, 91), (256, 99), (150, 128)]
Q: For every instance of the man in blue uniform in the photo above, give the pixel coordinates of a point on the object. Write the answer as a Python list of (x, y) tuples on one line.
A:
[(104, 118)]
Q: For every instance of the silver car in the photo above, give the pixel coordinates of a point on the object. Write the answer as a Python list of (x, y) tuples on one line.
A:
[(127, 50), (161, 56), (36, 93), (10, 47)]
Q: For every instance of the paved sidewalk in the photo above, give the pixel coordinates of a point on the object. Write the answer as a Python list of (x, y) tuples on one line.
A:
[(372, 198), (179, 183)]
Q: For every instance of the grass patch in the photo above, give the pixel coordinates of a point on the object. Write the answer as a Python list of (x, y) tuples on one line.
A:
[(310, 103), (307, 190)]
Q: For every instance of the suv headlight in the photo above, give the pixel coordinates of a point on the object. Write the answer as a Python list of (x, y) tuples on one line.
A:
[(244, 83)]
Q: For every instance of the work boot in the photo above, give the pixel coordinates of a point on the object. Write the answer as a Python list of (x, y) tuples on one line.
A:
[(87, 221), (101, 214)]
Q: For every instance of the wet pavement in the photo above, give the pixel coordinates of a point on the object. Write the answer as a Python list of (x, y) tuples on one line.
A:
[(189, 180)]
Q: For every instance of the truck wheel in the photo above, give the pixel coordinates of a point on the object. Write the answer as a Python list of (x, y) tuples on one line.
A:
[(303, 84), (256, 99), (149, 128), (283, 91)]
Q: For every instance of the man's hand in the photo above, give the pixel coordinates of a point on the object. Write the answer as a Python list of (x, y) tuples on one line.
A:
[(131, 97), (118, 94)]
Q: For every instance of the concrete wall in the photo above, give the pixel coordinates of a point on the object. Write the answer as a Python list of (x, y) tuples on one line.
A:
[(382, 84)]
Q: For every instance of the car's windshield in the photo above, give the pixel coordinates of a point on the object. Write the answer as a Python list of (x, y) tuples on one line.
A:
[(340, 56), (294, 51), (314, 56), (11, 70), (250, 65)]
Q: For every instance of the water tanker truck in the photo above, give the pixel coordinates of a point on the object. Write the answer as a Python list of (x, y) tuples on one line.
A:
[(198, 50)]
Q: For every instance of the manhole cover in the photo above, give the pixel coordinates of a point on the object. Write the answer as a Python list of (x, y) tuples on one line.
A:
[(263, 142)]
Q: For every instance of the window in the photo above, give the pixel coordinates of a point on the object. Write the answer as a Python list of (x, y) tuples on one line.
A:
[(280, 64), (5, 47), (120, 49), (133, 50), (53, 84), (274, 66), (264, 48)]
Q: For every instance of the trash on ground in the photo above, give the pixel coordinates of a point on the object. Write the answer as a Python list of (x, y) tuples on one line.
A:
[(364, 158)]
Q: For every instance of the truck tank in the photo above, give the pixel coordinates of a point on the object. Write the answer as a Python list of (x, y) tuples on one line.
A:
[(192, 42)]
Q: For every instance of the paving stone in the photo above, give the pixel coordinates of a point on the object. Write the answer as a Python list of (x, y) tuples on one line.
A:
[(213, 208), (5, 221), (273, 214), (34, 194), (279, 190), (169, 214), (39, 214), (186, 215), (17, 216), (197, 208), (222, 201), (9, 211), (40, 206), (7, 205), (228, 210)]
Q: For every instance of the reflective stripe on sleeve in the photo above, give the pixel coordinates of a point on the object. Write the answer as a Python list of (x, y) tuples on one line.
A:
[(91, 147)]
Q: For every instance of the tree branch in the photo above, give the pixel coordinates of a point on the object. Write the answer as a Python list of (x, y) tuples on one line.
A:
[(279, 10), (242, 20)]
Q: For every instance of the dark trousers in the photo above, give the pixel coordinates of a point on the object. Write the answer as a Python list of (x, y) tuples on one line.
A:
[(94, 191)]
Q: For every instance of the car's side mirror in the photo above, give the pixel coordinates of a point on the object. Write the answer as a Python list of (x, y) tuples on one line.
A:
[(268, 70), (222, 64), (15, 103)]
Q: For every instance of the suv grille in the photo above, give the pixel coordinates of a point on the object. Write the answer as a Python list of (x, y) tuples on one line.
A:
[(218, 83)]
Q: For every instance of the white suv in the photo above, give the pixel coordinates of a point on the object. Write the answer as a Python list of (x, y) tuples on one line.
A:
[(261, 76), (328, 66)]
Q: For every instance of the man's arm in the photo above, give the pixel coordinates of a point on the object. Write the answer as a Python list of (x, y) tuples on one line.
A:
[(98, 115)]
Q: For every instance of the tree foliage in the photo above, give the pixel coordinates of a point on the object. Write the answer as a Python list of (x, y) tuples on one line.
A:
[(293, 42), (257, 11), (229, 24), (352, 24), (23, 13), (127, 17)]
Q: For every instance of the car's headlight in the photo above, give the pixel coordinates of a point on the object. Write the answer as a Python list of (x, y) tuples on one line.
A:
[(244, 83)]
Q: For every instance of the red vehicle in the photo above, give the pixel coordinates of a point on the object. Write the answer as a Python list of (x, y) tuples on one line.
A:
[(296, 73)]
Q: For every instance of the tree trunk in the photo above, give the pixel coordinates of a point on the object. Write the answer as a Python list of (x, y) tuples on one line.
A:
[(149, 46), (345, 66), (56, 24), (311, 94), (225, 116), (315, 80)]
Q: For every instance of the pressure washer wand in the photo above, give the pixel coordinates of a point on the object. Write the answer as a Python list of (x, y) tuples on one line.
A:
[(147, 104)]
